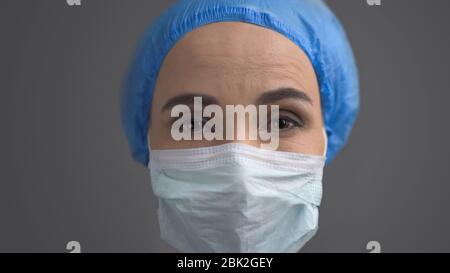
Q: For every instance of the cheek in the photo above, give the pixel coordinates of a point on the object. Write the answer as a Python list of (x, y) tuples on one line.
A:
[(156, 137), (311, 142)]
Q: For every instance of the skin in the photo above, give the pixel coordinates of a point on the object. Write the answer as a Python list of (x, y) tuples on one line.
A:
[(237, 63)]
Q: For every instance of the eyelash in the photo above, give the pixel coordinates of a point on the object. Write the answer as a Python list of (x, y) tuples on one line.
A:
[(287, 115), (299, 123)]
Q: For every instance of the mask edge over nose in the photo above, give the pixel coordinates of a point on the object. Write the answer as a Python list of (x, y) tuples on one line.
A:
[(324, 154)]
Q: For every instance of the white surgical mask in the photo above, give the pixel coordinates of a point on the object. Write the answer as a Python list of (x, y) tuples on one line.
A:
[(236, 198)]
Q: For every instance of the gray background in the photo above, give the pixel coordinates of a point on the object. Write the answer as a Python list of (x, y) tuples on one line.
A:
[(65, 170)]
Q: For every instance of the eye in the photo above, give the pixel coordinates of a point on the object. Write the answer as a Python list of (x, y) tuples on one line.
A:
[(195, 125), (286, 121)]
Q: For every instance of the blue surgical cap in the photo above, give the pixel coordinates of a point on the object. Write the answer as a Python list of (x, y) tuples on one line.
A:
[(308, 23)]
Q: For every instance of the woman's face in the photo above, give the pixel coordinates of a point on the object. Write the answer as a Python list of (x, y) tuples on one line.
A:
[(232, 63)]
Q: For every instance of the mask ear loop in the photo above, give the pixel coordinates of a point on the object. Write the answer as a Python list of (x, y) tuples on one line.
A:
[(149, 150)]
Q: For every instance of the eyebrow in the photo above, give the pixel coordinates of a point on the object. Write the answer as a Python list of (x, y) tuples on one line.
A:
[(188, 99), (266, 98), (283, 93)]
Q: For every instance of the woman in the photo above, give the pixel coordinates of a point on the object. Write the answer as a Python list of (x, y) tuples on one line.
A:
[(231, 195)]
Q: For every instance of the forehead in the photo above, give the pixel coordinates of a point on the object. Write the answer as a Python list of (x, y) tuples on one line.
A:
[(233, 55)]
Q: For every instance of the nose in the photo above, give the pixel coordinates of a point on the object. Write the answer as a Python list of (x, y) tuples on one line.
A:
[(254, 143), (243, 130)]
